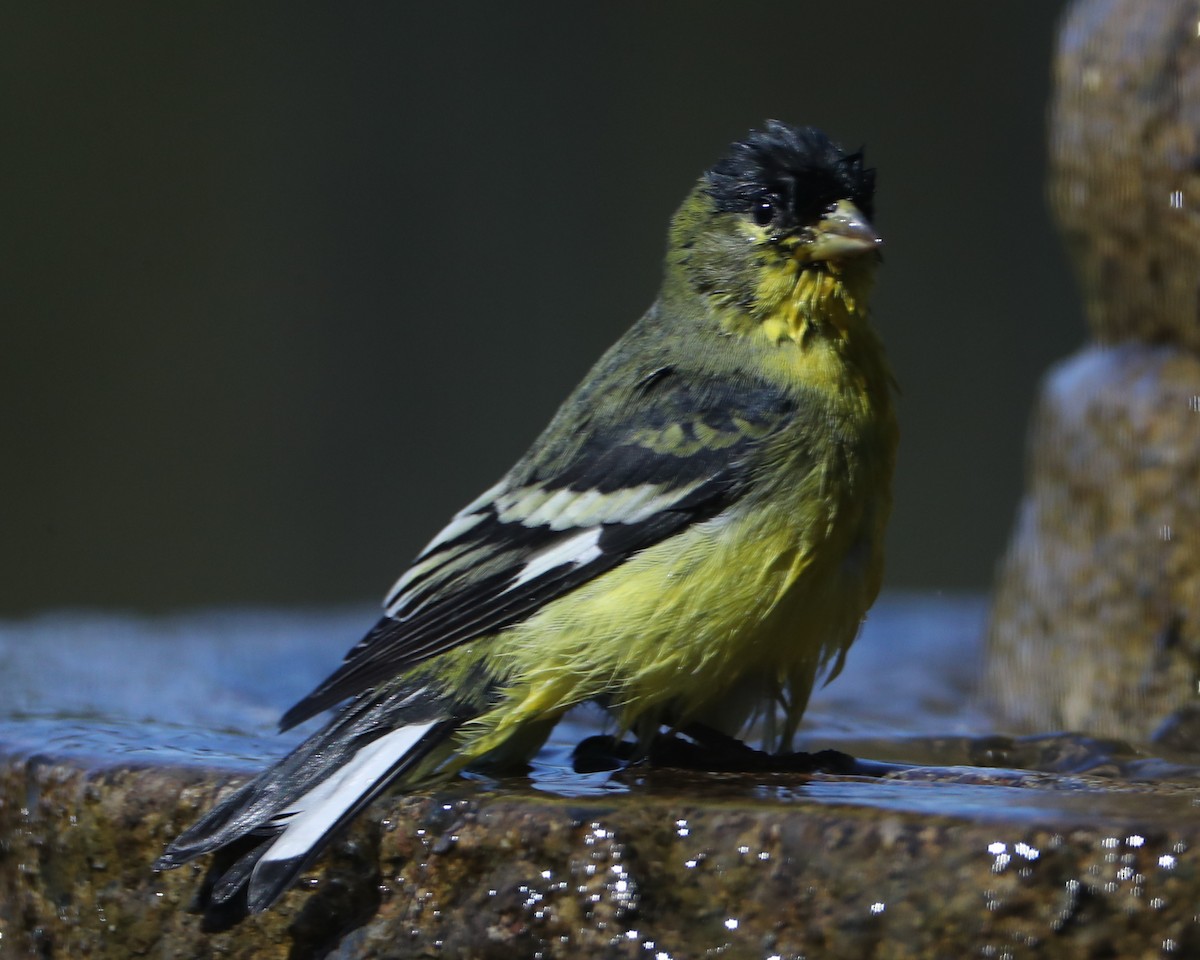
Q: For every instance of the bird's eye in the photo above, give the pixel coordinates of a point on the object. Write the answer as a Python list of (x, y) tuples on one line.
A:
[(764, 212)]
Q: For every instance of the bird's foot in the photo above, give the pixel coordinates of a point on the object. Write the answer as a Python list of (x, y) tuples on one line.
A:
[(702, 748)]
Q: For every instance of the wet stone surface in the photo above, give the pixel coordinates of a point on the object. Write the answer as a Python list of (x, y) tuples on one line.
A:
[(955, 840), (675, 865)]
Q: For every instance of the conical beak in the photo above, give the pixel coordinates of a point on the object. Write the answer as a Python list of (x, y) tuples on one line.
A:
[(844, 232)]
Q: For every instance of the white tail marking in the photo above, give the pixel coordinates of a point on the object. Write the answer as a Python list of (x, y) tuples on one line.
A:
[(311, 816)]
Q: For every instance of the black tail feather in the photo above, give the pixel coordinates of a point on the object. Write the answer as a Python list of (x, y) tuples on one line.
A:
[(271, 878), (313, 792)]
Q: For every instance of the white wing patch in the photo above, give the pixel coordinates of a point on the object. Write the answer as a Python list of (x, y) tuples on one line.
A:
[(578, 550), (312, 815), (564, 510), (548, 510), (520, 504), (533, 507)]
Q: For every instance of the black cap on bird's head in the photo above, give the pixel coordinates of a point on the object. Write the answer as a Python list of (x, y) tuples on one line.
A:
[(784, 218), (789, 177)]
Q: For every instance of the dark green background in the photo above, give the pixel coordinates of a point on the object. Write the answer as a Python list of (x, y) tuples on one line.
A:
[(286, 284)]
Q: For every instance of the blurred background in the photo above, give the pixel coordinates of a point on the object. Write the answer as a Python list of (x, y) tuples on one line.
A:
[(287, 284)]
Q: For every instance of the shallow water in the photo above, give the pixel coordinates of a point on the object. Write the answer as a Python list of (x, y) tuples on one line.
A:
[(207, 688)]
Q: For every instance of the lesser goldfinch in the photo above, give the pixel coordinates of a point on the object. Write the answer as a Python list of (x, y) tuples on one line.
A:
[(695, 536)]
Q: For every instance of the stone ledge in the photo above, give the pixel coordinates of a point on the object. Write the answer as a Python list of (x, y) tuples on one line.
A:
[(679, 865)]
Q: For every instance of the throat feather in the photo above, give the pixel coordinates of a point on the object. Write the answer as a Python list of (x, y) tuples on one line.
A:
[(794, 304)]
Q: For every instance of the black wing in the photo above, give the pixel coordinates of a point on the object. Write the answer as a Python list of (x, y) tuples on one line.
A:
[(682, 452)]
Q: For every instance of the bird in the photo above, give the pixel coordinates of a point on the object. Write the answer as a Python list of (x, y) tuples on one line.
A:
[(694, 539)]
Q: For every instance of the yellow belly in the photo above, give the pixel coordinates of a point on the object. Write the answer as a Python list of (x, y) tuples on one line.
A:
[(737, 613), (706, 626)]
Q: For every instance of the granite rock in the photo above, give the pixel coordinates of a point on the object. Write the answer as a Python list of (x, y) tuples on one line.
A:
[(678, 866), (1095, 625)]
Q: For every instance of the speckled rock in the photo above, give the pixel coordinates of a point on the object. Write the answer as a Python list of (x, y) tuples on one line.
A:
[(1095, 622), (1125, 165), (680, 866)]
